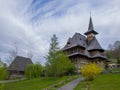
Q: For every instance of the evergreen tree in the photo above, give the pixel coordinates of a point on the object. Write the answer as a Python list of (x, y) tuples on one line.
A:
[(52, 55), (57, 62), (54, 48)]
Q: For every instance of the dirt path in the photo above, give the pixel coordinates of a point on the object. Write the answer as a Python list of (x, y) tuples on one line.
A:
[(71, 85)]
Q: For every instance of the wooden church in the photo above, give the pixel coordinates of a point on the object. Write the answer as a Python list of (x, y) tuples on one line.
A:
[(84, 49), (18, 66)]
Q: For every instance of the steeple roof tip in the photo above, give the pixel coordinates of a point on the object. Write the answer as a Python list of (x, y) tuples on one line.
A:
[(90, 27)]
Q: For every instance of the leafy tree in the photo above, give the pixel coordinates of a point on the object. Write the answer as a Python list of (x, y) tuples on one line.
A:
[(33, 71), (3, 71), (63, 65), (118, 60), (57, 62), (113, 51), (91, 70)]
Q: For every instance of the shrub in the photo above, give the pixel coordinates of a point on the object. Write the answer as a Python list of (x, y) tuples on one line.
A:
[(3, 73), (91, 70), (33, 71), (60, 66)]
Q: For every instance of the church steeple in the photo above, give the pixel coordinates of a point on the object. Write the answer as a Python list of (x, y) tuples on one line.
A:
[(90, 28)]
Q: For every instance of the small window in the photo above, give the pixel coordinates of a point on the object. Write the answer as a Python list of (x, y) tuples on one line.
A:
[(68, 44)]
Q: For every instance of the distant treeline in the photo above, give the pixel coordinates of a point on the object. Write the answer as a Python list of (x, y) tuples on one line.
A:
[(113, 51)]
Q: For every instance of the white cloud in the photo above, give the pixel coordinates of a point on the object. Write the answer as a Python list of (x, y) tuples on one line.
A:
[(62, 17)]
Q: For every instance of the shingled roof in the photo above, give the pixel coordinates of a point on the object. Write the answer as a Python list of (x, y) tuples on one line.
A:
[(76, 40), (20, 63), (94, 45), (98, 55)]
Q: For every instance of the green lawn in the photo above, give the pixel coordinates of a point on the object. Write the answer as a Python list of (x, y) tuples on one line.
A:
[(102, 82), (34, 84)]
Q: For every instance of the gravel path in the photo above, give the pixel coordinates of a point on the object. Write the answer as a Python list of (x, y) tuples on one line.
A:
[(71, 85)]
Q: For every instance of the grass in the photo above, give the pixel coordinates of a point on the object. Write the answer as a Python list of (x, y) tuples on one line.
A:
[(102, 82), (34, 84)]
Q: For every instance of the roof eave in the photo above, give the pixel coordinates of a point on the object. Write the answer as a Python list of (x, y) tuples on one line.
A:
[(66, 48), (96, 50), (92, 31)]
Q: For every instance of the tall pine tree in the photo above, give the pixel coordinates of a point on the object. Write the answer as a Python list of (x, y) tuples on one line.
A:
[(52, 55), (54, 48), (57, 62)]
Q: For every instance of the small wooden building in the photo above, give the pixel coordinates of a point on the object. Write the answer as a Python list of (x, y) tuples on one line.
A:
[(18, 66), (84, 49)]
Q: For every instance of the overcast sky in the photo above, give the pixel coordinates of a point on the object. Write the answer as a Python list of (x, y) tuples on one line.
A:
[(31, 23)]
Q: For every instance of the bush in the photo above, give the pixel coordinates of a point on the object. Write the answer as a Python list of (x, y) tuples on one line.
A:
[(33, 71), (60, 66), (3, 73), (91, 70)]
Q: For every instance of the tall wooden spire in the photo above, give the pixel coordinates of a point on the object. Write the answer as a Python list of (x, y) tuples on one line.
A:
[(90, 28)]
